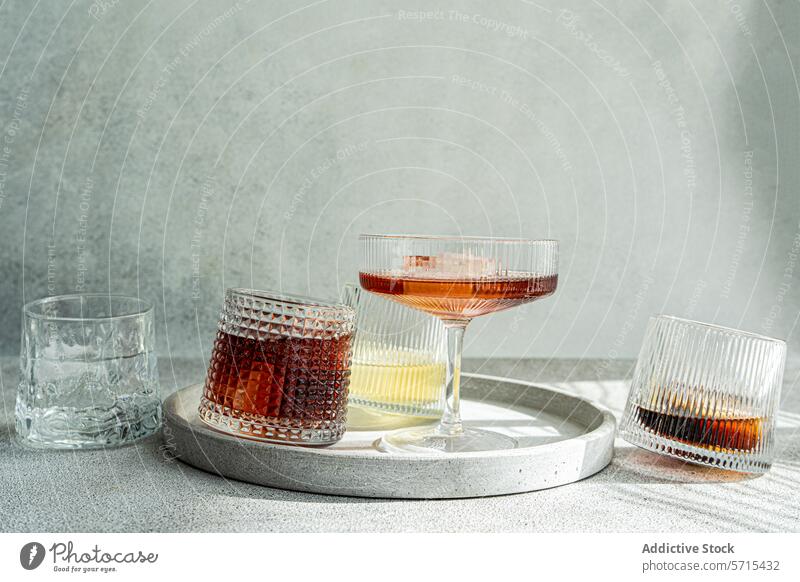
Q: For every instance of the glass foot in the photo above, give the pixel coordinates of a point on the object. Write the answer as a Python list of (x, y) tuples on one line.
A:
[(428, 439)]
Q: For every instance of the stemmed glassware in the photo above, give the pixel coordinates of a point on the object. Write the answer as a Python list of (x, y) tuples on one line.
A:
[(456, 279)]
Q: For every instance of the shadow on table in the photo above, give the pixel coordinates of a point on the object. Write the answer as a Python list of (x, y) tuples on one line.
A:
[(244, 490), (212, 482), (634, 465), (708, 509), (7, 430), (738, 502)]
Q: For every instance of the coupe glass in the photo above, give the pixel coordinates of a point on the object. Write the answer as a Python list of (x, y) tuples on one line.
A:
[(456, 279)]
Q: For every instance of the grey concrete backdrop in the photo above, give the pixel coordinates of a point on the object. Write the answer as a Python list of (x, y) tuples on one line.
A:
[(172, 149)]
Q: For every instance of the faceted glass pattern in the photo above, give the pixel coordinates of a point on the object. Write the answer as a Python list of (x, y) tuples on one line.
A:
[(279, 369), (88, 374), (706, 394)]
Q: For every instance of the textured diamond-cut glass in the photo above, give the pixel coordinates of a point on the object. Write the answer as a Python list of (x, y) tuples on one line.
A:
[(279, 369), (706, 394), (88, 375)]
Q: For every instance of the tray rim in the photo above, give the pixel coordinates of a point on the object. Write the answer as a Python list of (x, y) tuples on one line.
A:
[(607, 425)]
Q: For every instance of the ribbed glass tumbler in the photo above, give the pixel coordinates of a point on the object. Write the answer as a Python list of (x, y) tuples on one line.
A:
[(706, 394), (280, 368), (399, 357)]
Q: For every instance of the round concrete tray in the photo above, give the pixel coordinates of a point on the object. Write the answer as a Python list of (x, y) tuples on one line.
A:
[(561, 439)]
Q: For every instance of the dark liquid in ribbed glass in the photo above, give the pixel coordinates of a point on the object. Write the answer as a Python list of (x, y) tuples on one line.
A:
[(280, 378), (720, 434)]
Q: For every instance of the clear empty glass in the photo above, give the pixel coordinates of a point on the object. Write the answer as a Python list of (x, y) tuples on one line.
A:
[(706, 394), (399, 357), (88, 375)]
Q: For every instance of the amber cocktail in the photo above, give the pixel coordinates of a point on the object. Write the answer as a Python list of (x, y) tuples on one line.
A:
[(280, 368), (456, 279), (461, 298)]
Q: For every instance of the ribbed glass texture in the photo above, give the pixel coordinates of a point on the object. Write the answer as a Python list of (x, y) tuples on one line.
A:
[(280, 368), (399, 357), (706, 394), (459, 277)]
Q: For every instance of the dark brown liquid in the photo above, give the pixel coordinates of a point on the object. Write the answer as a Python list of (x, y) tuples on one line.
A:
[(291, 380), (461, 298), (720, 434)]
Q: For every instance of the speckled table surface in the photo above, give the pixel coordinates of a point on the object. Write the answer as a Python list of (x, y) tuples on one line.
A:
[(140, 488)]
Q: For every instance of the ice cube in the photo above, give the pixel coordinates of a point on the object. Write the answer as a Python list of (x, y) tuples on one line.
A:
[(449, 266), (415, 262)]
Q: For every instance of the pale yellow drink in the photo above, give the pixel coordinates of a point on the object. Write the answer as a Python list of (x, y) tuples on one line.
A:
[(400, 380)]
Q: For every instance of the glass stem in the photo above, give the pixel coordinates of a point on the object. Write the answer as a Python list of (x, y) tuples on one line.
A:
[(450, 424)]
